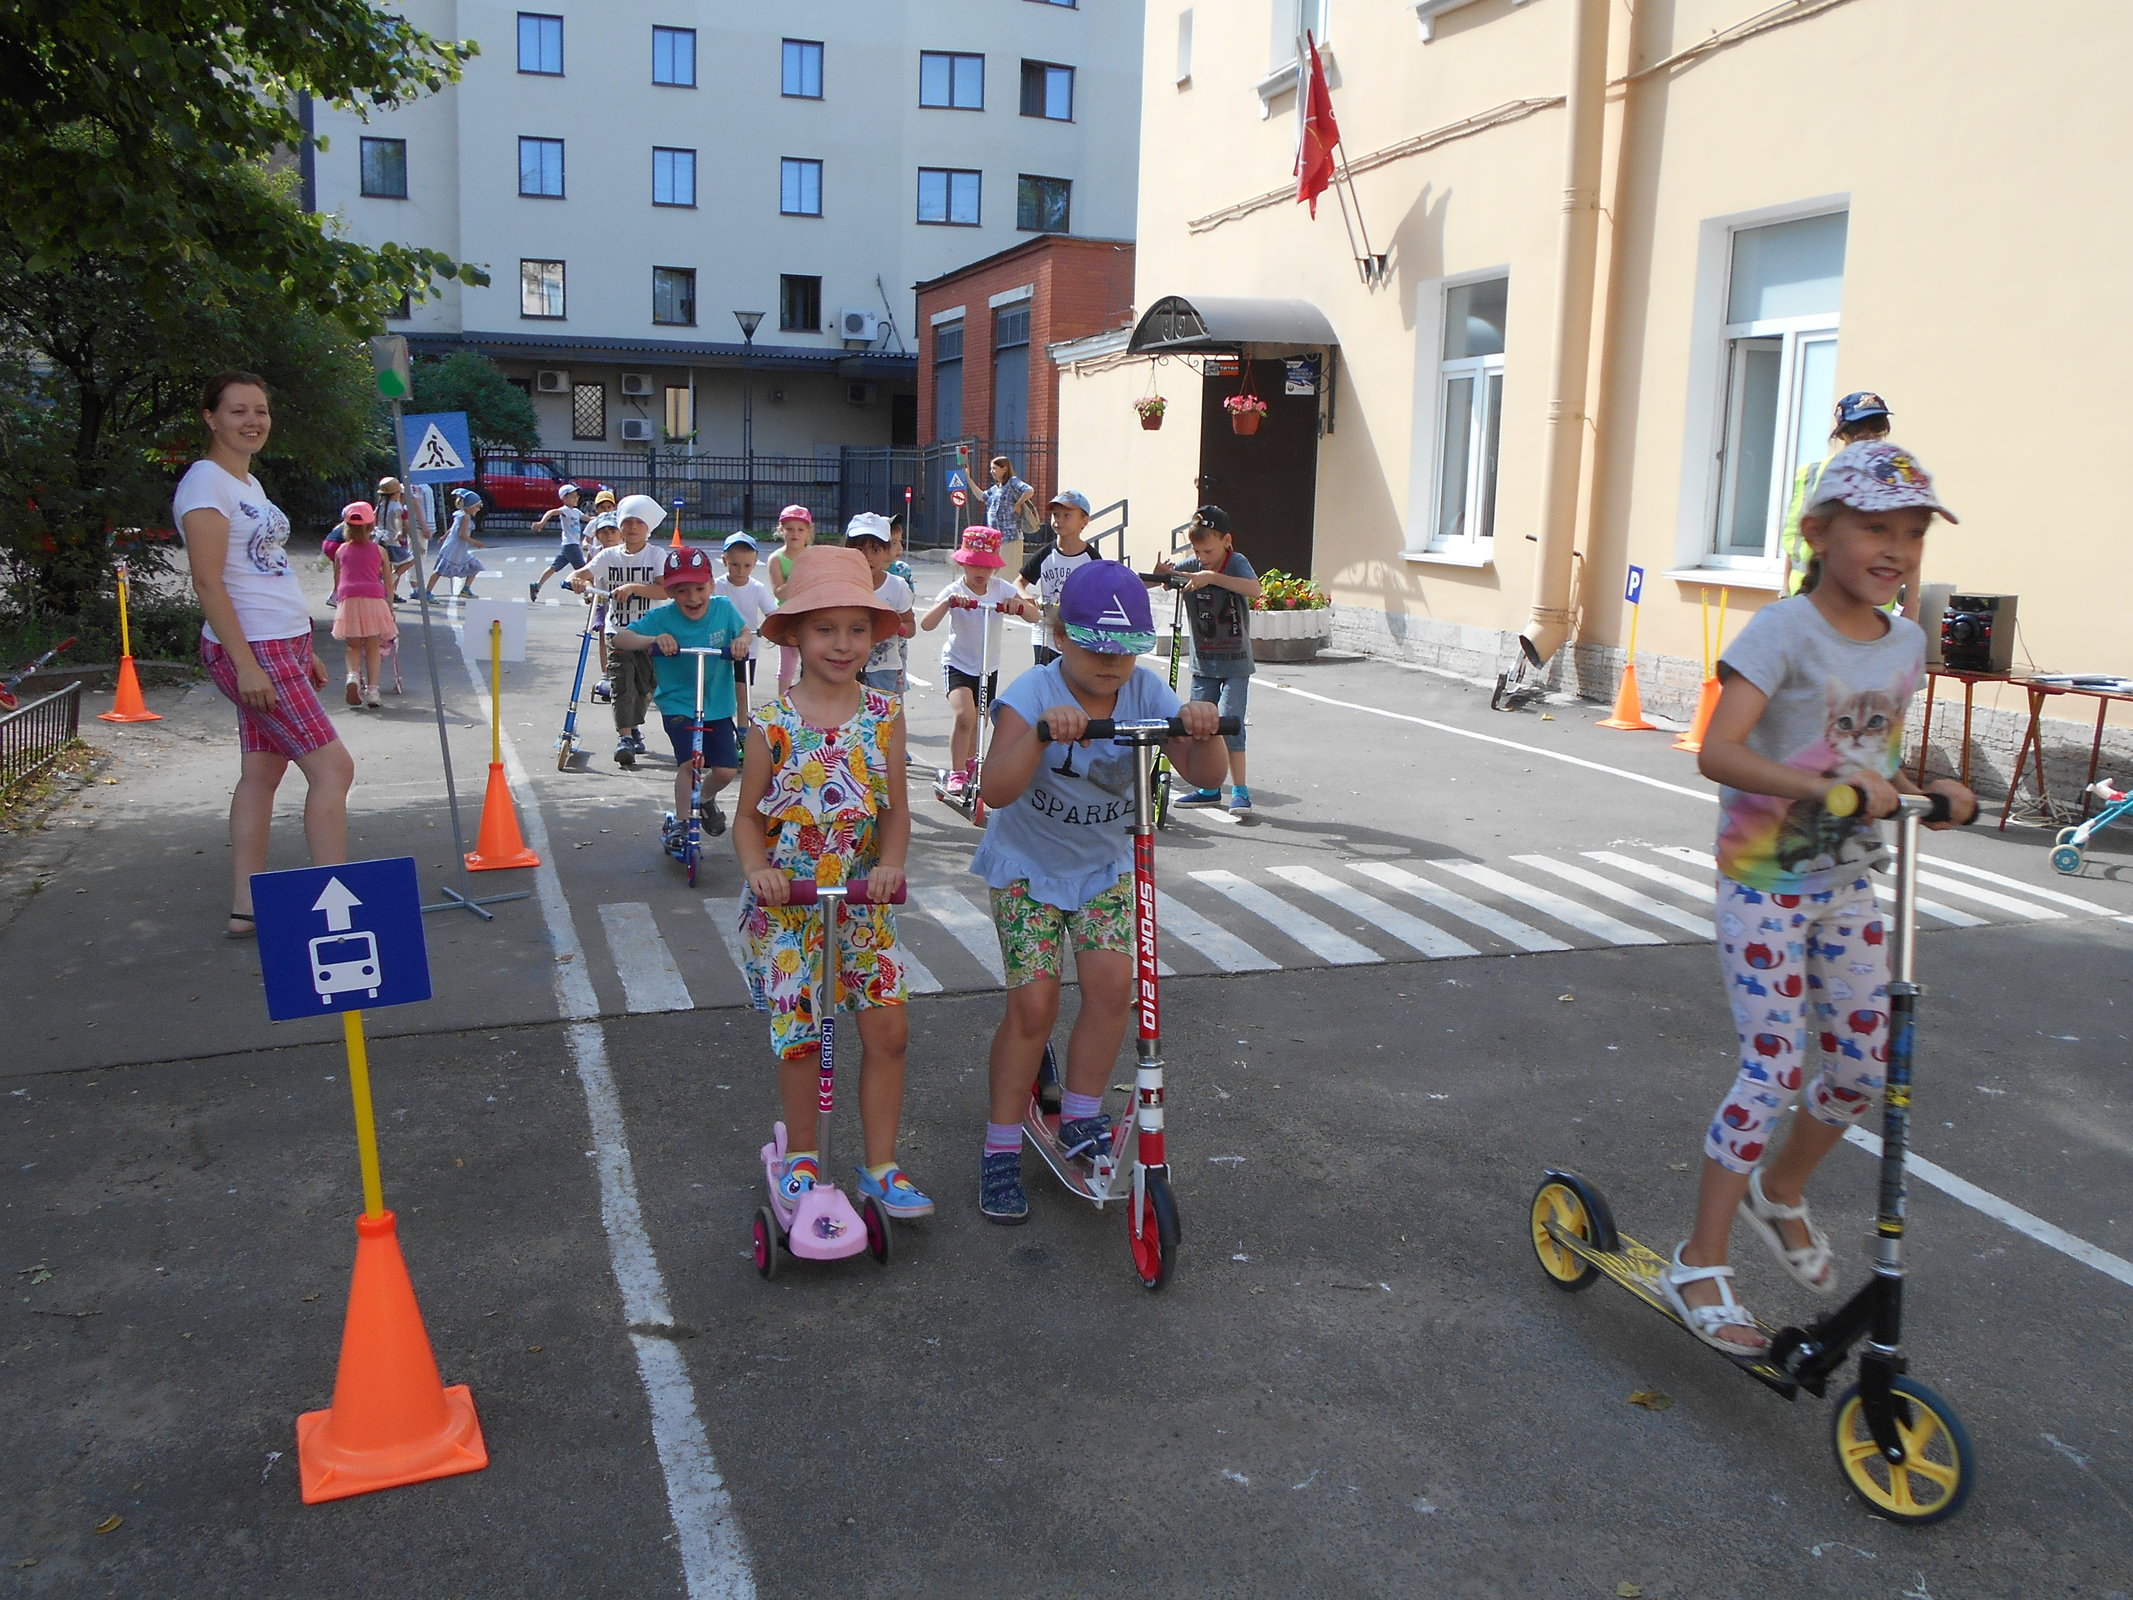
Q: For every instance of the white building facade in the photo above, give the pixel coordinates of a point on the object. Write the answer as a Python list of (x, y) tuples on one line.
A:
[(632, 176)]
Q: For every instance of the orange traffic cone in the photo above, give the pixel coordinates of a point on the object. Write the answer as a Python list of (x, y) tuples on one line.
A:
[(1629, 705), (1706, 703), (127, 705), (499, 844), (392, 1420)]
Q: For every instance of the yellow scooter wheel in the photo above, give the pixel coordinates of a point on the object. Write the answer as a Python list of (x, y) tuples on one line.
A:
[(1558, 1201), (1939, 1468)]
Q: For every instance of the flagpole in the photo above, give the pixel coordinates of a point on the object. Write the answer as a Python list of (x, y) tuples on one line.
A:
[(1371, 266)]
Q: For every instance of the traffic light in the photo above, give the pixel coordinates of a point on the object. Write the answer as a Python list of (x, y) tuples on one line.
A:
[(389, 361)]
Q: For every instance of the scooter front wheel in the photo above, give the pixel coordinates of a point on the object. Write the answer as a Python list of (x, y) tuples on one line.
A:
[(766, 1243), (563, 752), (1153, 1232), (1939, 1468)]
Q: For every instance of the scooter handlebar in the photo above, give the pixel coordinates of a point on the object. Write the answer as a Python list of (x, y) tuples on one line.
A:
[(1844, 800), (1168, 728), (1169, 580), (806, 892)]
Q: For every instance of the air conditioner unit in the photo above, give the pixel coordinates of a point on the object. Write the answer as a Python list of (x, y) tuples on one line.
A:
[(550, 381), (861, 394), (636, 430), (636, 383), (856, 325)]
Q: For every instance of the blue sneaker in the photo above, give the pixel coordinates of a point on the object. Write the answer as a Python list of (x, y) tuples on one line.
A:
[(1199, 797), (1240, 798), (895, 1193), (1085, 1137), (800, 1175), (1000, 1194)]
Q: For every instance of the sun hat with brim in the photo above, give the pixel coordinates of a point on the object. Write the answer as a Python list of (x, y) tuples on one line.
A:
[(1104, 607), (868, 525), (1875, 475), (643, 507), (980, 547), (826, 578)]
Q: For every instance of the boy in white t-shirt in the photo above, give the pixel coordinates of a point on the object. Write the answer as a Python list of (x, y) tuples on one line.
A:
[(970, 660), (570, 530), (750, 595), (1048, 568), (870, 534), (636, 565)]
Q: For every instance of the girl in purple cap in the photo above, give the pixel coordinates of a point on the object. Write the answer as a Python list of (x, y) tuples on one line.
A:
[(1058, 858)]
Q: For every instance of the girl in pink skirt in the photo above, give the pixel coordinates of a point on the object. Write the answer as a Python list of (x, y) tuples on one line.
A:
[(363, 621)]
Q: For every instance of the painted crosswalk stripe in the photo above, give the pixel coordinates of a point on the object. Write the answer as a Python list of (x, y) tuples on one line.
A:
[(650, 980), (1411, 931), (1991, 897), (726, 916), (1218, 944), (1636, 900), (972, 929), (1654, 874), (1932, 908), (1315, 936), (1522, 934), (2034, 890), (1546, 901)]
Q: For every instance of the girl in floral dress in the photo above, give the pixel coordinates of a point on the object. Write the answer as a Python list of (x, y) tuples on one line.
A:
[(822, 797)]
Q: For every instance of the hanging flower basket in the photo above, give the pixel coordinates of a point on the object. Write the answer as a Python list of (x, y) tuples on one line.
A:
[(1246, 412), (1151, 407)]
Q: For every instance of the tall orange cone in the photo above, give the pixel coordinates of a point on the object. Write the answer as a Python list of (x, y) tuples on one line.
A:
[(127, 705), (392, 1420), (499, 844), (1707, 697), (1629, 706)]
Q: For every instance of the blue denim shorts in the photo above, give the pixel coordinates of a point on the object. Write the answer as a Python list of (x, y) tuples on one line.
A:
[(1228, 695)]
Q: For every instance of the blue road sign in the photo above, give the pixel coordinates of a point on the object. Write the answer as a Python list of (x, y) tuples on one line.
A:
[(1633, 589), (956, 480), (439, 449), (345, 938)]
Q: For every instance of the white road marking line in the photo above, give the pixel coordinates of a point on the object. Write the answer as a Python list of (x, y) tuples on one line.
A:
[(1991, 897), (1608, 889), (1508, 744), (2004, 1211), (1218, 944), (1411, 931), (1522, 934), (714, 1560), (1645, 869), (2054, 895), (726, 917), (1932, 908), (973, 930), (650, 980), (1315, 936), (1546, 901)]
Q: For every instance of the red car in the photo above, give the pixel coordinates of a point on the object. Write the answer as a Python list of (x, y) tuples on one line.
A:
[(518, 483)]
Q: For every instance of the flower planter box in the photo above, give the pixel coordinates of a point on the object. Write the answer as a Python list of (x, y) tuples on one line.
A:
[(1290, 635), (1151, 420), (1246, 422)]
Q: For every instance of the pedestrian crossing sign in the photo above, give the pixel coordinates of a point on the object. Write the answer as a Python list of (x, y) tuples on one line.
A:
[(438, 447)]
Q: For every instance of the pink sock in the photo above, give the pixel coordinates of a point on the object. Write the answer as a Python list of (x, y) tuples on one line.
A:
[(1003, 1138), (1073, 1107)]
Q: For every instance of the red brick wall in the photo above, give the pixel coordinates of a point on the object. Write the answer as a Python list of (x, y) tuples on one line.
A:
[(1081, 286)]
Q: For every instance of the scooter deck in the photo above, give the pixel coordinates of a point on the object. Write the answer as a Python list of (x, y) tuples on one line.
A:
[(1099, 1184), (1636, 1267)]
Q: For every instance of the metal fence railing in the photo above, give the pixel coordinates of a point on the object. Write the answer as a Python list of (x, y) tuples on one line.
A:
[(35, 732)]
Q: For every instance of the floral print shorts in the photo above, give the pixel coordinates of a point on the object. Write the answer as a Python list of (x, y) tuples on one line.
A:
[(1033, 934)]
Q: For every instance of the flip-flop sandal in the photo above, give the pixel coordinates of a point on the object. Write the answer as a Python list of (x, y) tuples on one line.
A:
[(1813, 1263), (250, 930), (1706, 1321)]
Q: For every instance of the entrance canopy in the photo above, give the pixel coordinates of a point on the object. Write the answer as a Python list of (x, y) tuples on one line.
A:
[(1175, 325)]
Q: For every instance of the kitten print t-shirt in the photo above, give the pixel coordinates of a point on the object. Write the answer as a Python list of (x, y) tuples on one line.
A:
[(1835, 703)]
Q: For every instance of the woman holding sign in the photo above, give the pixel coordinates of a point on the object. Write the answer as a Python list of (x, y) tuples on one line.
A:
[(256, 639)]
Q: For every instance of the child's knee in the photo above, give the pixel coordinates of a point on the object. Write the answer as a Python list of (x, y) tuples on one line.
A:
[(1033, 1007)]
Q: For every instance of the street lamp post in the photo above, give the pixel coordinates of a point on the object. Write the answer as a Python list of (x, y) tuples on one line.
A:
[(748, 321)]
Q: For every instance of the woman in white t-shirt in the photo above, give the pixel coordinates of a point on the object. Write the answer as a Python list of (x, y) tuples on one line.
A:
[(256, 639)]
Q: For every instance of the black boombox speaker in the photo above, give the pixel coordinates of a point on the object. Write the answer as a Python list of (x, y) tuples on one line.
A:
[(1977, 633)]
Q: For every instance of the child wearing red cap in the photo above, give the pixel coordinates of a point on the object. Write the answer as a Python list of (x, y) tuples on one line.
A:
[(692, 618), (972, 654)]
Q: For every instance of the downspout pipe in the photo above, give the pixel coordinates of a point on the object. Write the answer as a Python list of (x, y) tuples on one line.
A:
[(1549, 624)]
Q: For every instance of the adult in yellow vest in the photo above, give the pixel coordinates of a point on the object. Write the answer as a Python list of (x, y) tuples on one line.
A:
[(1860, 415)]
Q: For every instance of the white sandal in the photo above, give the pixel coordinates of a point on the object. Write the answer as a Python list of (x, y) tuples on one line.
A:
[(1813, 1263), (1706, 1321)]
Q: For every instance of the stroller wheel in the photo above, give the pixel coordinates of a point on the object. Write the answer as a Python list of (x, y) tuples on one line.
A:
[(2066, 858), (2065, 836)]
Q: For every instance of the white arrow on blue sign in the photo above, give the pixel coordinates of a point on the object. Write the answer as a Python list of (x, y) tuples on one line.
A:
[(342, 938)]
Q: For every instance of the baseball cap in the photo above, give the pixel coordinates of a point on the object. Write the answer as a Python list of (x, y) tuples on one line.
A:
[(604, 521), (1861, 404), (867, 525), (642, 506), (357, 513), (739, 541), (980, 547), (1875, 475), (465, 497), (1074, 498), (797, 514), (686, 565), (562, 489), (1104, 607), (606, 497), (1212, 517)]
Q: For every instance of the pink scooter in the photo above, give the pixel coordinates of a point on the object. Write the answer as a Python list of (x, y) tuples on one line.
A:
[(822, 1224)]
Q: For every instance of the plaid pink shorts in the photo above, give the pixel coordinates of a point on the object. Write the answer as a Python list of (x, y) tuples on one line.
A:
[(298, 724)]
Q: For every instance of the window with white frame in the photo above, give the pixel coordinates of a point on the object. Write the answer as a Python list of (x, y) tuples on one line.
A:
[(1469, 417), (1784, 289), (1292, 19)]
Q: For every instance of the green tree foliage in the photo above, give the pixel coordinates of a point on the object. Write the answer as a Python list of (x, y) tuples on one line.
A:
[(499, 415)]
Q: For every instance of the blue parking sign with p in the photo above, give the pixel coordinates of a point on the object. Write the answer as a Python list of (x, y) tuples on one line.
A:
[(1633, 588), (341, 938)]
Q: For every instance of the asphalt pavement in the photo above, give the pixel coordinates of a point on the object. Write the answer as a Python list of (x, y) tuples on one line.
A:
[(1452, 947)]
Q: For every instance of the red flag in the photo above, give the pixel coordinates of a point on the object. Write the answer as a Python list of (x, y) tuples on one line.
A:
[(1314, 152)]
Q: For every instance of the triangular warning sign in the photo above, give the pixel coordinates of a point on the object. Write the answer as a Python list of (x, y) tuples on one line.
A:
[(435, 453)]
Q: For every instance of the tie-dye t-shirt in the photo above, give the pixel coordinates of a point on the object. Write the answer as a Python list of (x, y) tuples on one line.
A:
[(1834, 703)]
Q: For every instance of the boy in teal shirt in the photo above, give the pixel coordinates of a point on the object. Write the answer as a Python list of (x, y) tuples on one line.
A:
[(693, 618)]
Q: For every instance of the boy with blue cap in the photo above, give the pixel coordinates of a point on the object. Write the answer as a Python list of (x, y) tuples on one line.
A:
[(1058, 859)]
